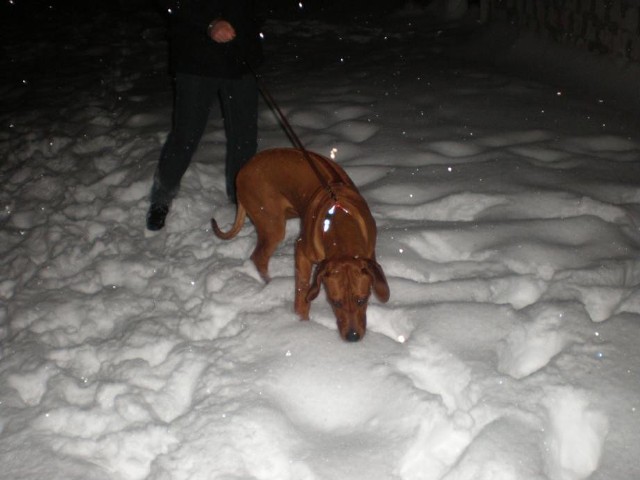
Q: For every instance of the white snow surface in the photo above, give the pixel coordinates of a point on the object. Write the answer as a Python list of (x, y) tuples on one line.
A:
[(508, 214)]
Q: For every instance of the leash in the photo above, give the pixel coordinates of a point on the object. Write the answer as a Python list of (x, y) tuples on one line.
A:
[(286, 126)]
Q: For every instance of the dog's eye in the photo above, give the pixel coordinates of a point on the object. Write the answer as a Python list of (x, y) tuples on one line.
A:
[(361, 302), (336, 303)]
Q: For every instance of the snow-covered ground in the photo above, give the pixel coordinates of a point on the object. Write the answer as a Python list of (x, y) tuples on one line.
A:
[(508, 214)]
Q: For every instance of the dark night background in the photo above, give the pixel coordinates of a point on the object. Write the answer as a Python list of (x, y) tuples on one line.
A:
[(36, 20)]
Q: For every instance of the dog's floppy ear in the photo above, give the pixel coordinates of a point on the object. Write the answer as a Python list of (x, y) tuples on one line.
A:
[(314, 289), (380, 286)]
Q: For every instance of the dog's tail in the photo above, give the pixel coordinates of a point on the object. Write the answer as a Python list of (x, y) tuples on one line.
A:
[(241, 214)]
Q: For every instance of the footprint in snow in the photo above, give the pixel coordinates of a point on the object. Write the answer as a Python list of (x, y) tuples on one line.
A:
[(510, 139), (354, 131), (575, 434), (531, 345)]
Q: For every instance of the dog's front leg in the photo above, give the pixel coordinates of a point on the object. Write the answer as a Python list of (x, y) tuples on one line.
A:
[(302, 279)]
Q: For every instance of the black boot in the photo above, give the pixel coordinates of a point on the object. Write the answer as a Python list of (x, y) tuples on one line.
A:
[(156, 215)]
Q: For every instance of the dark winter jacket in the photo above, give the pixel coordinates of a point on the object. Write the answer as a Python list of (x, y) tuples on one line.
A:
[(193, 51)]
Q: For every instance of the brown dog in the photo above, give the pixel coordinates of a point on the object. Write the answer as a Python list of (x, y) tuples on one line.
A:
[(338, 235)]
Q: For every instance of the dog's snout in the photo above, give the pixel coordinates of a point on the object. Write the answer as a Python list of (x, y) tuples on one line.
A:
[(352, 336)]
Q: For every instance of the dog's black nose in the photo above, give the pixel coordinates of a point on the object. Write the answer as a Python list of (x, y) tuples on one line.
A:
[(352, 336)]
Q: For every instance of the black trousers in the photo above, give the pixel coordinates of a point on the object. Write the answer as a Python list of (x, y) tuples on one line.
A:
[(194, 96)]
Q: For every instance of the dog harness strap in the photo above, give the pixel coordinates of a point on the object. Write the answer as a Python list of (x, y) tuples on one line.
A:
[(328, 218)]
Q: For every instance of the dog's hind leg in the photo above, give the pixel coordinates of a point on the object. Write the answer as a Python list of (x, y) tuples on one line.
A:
[(270, 234)]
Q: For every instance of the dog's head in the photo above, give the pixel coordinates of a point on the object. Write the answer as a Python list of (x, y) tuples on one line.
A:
[(348, 282)]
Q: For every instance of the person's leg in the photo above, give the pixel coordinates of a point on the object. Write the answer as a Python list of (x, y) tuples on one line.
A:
[(239, 100), (193, 98)]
